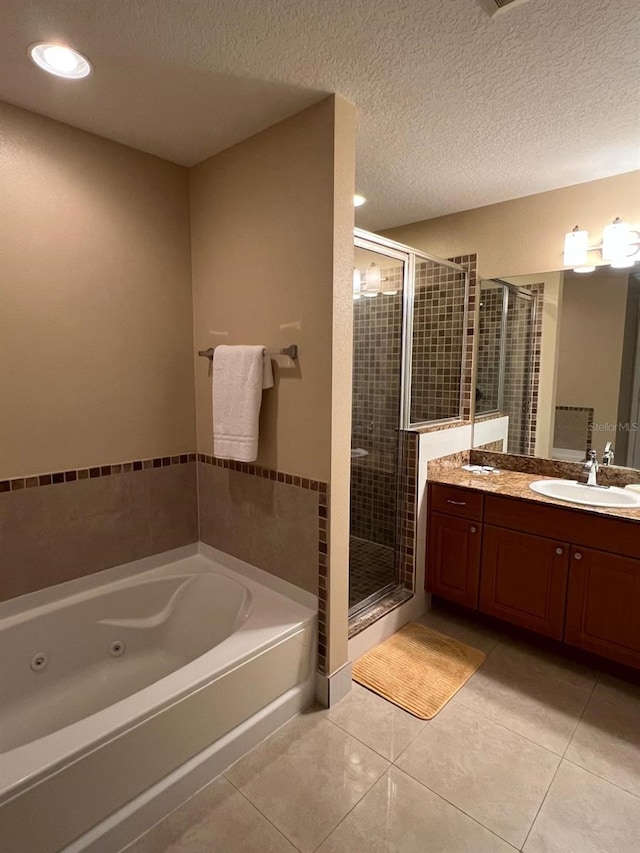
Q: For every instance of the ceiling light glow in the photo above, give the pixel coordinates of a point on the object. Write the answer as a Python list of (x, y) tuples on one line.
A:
[(61, 61)]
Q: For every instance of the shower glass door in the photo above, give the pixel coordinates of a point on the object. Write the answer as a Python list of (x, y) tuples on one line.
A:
[(379, 285)]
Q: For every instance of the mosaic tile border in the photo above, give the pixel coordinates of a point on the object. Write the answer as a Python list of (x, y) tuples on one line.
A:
[(537, 290), (408, 494), (323, 533), (265, 473), (57, 477)]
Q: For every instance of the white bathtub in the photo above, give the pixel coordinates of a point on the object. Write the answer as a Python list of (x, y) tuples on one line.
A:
[(125, 683)]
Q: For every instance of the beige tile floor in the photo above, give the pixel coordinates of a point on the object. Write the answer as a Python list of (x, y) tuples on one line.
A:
[(533, 754)]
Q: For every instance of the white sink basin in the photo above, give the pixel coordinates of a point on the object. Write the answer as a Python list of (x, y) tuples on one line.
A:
[(579, 493)]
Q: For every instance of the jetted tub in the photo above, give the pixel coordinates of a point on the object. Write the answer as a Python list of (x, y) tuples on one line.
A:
[(111, 684)]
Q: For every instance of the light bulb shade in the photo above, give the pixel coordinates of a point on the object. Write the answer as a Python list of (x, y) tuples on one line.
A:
[(576, 246), (615, 243), (373, 279), (584, 269), (357, 282)]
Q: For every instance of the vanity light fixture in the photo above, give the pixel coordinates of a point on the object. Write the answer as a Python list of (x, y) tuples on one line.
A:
[(616, 242), (372, 281), (620, 247), (60, 61), (358, 200)]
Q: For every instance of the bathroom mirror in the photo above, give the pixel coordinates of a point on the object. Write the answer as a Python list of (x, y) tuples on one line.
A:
[(558, 365)]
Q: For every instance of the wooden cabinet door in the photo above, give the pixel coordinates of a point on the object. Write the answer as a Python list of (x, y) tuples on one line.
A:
[(453, 558), (603, 605), (524, 579)]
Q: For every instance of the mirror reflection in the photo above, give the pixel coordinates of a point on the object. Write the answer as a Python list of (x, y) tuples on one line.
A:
[(558, 366)]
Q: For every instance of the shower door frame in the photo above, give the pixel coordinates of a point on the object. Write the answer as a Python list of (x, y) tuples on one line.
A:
[(362, 241), (518, 293), (373, 242), (408, 255)]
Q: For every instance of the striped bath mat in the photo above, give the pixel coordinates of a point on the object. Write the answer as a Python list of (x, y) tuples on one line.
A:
[(418, 669)]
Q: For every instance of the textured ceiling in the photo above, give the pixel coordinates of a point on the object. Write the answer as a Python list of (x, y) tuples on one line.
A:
[(456, 109)]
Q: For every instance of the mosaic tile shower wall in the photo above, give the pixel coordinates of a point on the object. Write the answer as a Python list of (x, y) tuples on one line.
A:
[(438, 342), (489, 334), (517, 377), (377, 353)]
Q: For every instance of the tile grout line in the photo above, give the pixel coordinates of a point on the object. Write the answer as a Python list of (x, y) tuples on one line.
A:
[(390, 760), (602, 778), (386, 770), (513, 731), (562, 758), (454, 806), (544, 800), (579, 720), (342, 820), (251, 803)]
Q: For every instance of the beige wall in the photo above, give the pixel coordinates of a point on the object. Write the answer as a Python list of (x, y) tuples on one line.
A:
[(590, 353), (262, 255), (95, 301), (526, 235), (341, 390)]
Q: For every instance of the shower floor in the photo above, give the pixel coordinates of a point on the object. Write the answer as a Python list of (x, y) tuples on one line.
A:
[(371, 567)]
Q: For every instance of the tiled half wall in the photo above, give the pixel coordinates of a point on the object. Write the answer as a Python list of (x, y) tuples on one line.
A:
[(66, 524), (273, 520)]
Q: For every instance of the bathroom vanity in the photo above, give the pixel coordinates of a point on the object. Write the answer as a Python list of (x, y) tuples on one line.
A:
[(567, 572)]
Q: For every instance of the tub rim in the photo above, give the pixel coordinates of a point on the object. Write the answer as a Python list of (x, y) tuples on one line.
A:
[(24, 766)]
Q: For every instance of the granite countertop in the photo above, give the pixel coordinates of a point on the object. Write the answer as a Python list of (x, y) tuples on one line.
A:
[(513, 484)]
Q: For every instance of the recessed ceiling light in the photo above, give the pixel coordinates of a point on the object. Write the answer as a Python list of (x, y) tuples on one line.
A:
[(358, 200), (61, 61)]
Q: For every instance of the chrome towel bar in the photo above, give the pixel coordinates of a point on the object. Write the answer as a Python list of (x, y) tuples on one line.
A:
[(291, 351)]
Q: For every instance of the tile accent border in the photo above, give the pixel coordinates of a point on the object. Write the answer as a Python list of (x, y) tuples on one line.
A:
[(407, 511), (323, 532), (265, 473), (590, 414), (53, 478), (537, 291)]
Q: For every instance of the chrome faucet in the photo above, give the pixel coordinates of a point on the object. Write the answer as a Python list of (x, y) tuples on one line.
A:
[(590, 469), (608, 455)]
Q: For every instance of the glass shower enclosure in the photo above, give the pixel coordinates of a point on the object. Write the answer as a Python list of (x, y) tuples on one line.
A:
[(504, 379), (409, 313)]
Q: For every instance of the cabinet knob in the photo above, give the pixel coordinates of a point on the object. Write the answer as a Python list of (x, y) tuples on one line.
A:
[(473, 529), (559, 551), (577, 556), (457, 503)]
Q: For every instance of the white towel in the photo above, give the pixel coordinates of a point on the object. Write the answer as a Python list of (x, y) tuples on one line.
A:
[(239, 375)]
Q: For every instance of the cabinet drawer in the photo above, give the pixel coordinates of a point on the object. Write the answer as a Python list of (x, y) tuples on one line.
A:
[(455, 501), (581, 527)]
